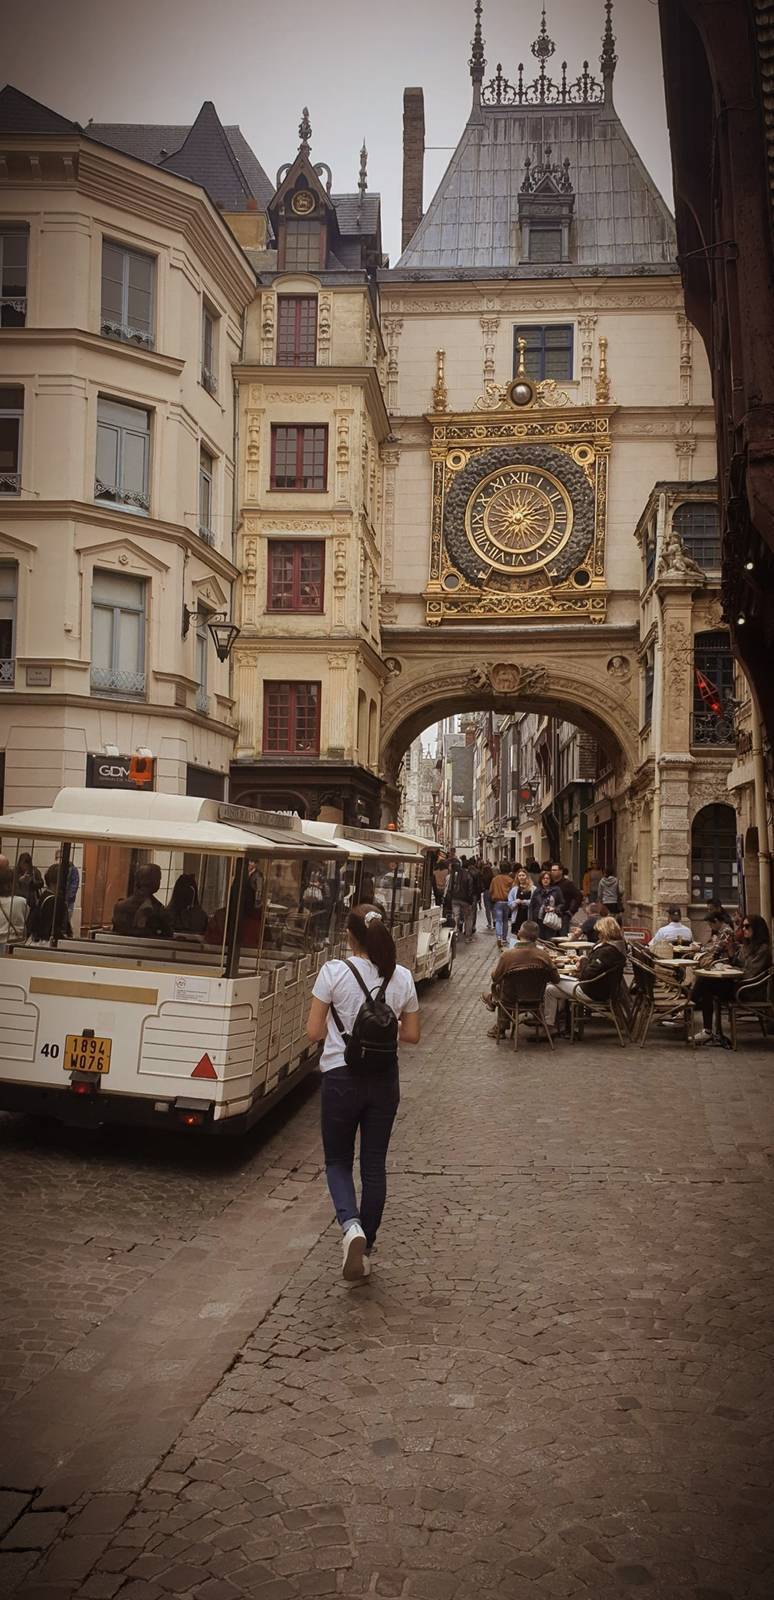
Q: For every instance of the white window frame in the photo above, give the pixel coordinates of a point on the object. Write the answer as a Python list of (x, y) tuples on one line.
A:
[(111, 680), (17, 302), (131, 500), (123, 330), (10, 482), (202, 662), (206, 489), (209, 353), (8, 603)]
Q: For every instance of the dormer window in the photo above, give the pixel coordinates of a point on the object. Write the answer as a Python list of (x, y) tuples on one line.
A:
[(546, 205), (545, 244), (302, 245)]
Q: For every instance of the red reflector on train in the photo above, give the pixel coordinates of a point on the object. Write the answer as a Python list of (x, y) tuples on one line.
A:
[(204, 1068)]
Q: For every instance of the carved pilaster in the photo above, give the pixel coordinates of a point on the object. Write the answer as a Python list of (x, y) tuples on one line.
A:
[(392, 328), (339, 583), (324, 328), (685, 449), (586, 325), (342, 457), (246, 682), (603, 376), (268, 320), (489, 328), (337, 711), (686, 358), (253, 454), (391, 459), (249, 588)]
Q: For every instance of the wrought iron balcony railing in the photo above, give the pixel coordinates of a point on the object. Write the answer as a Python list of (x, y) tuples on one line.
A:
[(13, 311), (709, 729), (121, 497), (126, 334), (7, 673), (207, 534), (10, 482), (202, 702), (209, 381), (106, 681)]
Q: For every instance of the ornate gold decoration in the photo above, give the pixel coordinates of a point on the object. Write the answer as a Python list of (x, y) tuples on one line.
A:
[(440, 392), (508, 678), (519, 518), (603, 377), (520, 393), (303, 203)]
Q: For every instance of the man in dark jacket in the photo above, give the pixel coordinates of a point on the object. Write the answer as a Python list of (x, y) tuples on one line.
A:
[(571, 895), (526, 955), (463, 896)]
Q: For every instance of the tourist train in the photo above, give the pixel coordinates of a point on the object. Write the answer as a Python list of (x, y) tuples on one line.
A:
[(199, 1021)]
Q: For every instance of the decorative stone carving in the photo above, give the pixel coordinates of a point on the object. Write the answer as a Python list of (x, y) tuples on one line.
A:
[(586, 325), (392, 328), (324, 326), (393, 666), (619, 668), (268, 315), (300, 397), (338, 662), (686, 357), (508, 678), (440, 391), (674, 563), (388, 608), (253, 455), (603, 376), (489, 328), (249, 580), (679, 661), (685, 449)]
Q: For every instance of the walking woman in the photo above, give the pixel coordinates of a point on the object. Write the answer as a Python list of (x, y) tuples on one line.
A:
[(364, 1098), (547, 906)]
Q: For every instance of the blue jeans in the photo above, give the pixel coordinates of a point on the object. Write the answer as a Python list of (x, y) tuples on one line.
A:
[(502, 917), (488, 908), (368, 1101)]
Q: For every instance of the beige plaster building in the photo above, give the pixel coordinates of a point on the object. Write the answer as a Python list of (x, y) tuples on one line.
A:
[(123, 292), (313, 429)]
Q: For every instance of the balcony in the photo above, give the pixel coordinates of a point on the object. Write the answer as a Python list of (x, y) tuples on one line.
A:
[(207, 534), (13, 311), (209, 381), (125, 334), (130, 499), (10, 482), (105, 681), (7, 673), (707, 729)]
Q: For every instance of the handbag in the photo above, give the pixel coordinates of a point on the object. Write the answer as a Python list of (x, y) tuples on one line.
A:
[(552, 919)]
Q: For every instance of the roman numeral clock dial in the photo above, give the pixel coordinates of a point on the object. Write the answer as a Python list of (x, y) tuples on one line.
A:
[(518, 519)]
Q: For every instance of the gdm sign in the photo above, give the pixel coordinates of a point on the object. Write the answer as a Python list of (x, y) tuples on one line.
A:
[(120, 772)]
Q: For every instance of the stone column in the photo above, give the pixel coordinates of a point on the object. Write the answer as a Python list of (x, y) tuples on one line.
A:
[(674, 762), (338, 708)]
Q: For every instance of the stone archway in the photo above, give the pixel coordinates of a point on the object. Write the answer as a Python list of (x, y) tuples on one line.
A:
[(594, 688)]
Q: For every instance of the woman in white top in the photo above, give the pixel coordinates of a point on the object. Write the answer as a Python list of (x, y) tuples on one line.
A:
[(13, 911), (367, 1098)]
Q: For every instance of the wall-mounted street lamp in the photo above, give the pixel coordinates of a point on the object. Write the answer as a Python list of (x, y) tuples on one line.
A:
[(223, 632)]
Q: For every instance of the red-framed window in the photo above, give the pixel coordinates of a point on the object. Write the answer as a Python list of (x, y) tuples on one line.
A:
[(297, 330), (299, 458), (296, 575), (291, 718)]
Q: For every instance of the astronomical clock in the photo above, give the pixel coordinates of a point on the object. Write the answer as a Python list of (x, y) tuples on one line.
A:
[(519, 505)]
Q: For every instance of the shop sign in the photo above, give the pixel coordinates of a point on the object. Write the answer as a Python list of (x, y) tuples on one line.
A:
[(120, 772)]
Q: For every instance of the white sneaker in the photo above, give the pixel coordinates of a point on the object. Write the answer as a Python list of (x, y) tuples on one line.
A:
[(703, 1037), (355, 1264)]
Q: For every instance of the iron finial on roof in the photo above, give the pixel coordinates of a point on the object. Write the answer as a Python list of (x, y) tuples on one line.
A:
[(477, 61), (544, 46), (608, 59), (304, 132), (362, 183)]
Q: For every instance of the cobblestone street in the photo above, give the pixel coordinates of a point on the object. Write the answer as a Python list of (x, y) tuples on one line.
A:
[(558, 1382)]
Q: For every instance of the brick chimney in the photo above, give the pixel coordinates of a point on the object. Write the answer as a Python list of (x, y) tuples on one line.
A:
[(413, 161)]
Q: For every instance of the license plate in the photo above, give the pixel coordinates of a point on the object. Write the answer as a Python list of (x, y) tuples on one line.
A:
[(86, 1054)]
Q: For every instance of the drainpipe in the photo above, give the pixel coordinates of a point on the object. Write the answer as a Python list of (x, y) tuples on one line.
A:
[(761, 811)]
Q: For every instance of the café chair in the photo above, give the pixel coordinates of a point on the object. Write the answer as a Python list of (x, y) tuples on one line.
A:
[(657, 992), (587, 1004), (753, 999), (522, 995)]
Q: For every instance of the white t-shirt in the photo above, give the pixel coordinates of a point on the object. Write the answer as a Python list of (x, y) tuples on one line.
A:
[(336, 984), (672, 931), (13, 916)]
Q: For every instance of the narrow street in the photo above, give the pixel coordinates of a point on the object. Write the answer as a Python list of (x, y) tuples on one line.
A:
[(558, 1382)]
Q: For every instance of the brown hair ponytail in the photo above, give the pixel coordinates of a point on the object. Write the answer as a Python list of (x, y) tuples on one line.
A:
[(369, 932)]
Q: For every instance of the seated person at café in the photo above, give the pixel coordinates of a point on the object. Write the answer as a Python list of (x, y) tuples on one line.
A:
[(141, 915), (716, 909), (674, 929), (711, 990), (525, 956), (589, 925), (604, 965)]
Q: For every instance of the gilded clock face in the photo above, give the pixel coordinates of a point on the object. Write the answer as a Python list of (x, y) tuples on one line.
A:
[(519, 518)]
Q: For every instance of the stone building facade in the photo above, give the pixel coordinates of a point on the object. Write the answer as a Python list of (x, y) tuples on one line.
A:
[(122, 300), (313, 440)]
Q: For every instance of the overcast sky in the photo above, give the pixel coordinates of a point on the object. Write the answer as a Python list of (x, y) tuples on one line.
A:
[(260, 61)]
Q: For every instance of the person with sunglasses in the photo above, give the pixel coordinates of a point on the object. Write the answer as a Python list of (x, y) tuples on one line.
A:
[(710, 993)]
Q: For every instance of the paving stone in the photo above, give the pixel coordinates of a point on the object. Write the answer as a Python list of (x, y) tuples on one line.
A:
[(35, 1531), (12, 1504)]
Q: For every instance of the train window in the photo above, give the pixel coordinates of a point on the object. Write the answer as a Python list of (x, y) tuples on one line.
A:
[(304, 908)]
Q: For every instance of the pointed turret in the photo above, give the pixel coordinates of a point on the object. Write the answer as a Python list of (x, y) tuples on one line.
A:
[(477, 59), (608, 59)]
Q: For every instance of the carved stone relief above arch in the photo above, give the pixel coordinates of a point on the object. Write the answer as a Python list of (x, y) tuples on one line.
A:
[(268, 320)]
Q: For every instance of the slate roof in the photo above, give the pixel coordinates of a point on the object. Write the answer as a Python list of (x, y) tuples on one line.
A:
[(620, 221), (196, 152), (355, 215), (19, 113)]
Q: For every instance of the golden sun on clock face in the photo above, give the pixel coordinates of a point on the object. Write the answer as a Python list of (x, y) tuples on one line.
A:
[(519, 518)]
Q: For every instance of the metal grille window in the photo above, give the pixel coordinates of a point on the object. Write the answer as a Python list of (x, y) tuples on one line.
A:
[(123, 455), (545, 244), (698, 525), (291, 718), (303, 246), (650, 556), (548, 350), (713, 689), (127, 294), (713, 855), (206, 479), (649, 682), (8, 585), (13, 277), (11, 418), (299, 458), (296, 330), (209, 375), (296, 568), (118, 633)]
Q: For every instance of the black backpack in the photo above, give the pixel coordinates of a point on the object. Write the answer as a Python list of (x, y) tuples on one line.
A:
[(373, 1042)]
